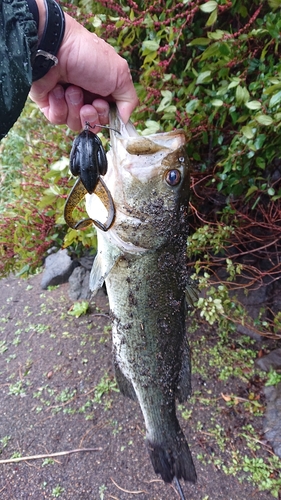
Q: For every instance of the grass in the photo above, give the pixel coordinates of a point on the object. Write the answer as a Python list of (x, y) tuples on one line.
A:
[(224, 360)]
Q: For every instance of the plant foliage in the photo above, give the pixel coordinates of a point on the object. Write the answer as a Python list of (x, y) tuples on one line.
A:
[(212, 68), (35, 184)]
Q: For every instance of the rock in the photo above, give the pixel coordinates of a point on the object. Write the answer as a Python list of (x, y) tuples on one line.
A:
[(272, 421), (253, 302), (58, 268), (87, 261), (79, 284), (271, 360)]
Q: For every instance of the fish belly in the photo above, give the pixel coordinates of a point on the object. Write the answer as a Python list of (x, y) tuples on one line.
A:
[(151, 356)]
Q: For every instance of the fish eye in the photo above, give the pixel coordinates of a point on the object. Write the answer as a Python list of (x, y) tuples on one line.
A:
[(173, 177)]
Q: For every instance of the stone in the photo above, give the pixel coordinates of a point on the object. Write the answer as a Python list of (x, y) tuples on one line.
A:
[(253, 301), (87, 261), (58, 268), (271, 360), (79, 284), (272, 420)]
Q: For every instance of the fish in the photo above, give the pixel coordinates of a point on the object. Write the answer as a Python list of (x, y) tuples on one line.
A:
[(142, 260)]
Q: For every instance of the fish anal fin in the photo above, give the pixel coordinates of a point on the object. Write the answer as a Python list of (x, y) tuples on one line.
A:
[(125, 385)]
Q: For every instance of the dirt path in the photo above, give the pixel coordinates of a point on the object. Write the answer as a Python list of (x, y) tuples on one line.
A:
[(58, 393)]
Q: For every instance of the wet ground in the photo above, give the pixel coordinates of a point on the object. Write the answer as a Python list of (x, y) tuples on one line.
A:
[(58, 395)]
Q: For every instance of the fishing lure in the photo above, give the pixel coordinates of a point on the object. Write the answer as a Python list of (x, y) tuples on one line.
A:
[(88, 161)]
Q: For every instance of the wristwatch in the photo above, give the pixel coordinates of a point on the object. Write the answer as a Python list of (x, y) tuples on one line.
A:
[(45, 56)]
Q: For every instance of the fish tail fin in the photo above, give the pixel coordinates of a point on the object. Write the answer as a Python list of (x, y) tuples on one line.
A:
[(172, 459)]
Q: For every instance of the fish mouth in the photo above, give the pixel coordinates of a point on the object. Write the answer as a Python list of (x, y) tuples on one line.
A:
[(135, 176), (135, 143)]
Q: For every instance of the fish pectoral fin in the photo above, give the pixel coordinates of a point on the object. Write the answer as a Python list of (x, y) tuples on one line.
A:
[(97, 275), (105, 259), (125, 385), (191, 293)]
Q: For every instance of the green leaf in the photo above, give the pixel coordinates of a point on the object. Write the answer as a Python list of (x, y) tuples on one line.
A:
[(276, 86), (242, 95), (150, 57), (211, 51), (151, 127), (217, 35), (167, 94), (212, 18), (209, 6), (251, 190), (79, 308), (253, 105), (54, 189), (235, 81), (259, 142), (200, 41), (151, 45), (192, 106), (275, 99), (247, 131), (217, 103), (264, 120), (170, 109), (203, 77), (166, 101), (129, 38), (274, 4), (260, 162), (60, 165)]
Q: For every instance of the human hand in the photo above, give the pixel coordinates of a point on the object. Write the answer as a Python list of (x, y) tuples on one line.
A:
[(88, 69)]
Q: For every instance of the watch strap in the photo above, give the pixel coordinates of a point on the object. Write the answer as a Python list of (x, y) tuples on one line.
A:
[(45, 57), (33, 8)]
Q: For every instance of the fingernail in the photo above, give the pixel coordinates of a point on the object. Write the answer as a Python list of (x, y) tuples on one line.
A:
[(74, 97), (58, 92)]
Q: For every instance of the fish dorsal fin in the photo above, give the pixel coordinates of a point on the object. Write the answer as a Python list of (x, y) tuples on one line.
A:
[(107, 256)]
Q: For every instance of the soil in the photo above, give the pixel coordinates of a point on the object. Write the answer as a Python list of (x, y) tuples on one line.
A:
[(58, 393)]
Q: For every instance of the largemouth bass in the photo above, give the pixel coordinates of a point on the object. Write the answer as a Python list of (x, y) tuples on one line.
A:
[(142, 259)]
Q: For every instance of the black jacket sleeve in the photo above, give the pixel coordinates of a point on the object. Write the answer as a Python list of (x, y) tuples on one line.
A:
[(18, 43)]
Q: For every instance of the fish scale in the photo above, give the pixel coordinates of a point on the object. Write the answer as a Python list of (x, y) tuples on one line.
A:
[(142, 259)]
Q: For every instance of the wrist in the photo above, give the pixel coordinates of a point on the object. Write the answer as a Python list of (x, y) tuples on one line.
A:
[(42, 16), (50, 34)]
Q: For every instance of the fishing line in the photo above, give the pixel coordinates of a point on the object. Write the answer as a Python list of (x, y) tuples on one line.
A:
[(179, 488), (87, 124)]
